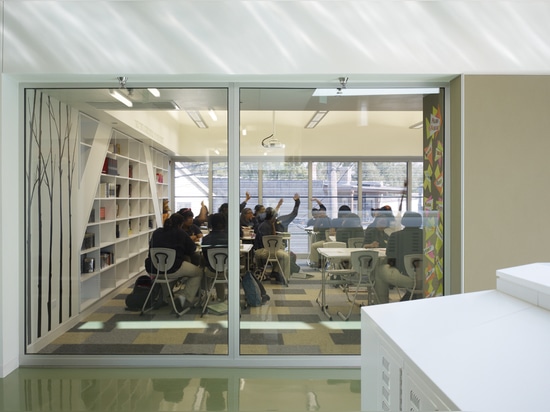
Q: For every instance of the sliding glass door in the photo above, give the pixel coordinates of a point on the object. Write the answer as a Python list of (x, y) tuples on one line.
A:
[(301, 158)]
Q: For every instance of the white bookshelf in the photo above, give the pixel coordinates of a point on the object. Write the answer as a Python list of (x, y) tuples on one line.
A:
[(122, 213)]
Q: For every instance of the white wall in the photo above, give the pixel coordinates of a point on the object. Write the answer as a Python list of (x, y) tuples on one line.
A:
[(506, 175), (11, 214)]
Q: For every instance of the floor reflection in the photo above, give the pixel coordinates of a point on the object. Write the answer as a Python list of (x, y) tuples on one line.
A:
[(181, 389)]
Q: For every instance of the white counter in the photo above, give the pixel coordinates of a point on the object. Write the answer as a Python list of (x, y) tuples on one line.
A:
[(483, 351)]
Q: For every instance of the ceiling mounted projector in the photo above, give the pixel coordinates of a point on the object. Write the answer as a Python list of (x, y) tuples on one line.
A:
[(275, 144), (271, 143)]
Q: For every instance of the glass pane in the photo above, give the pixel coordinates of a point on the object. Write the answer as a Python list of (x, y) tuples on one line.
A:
[(294, 144), (301, 155), (417, 190), (384, 185), (107, 171), (186, 193)]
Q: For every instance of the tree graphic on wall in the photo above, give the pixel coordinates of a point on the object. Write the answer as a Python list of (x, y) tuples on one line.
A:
[(50, 147)]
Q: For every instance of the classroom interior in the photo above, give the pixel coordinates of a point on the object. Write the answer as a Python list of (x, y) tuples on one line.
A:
[(495, 92), (135, 179)]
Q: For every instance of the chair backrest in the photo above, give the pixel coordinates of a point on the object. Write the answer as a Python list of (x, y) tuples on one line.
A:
[(273, 242), (356, 241), (364, 261), (335, 244), (414, 265), (343, 234), (217, 257), (162, 258)]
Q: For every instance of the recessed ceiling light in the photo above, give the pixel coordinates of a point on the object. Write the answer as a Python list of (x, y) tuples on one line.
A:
[(197, 118), (213, 115), (121, 98), (317, 117), (154, 92)]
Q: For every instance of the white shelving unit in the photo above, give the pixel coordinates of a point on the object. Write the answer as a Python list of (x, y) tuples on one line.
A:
[(482, 351), (161, 164), (123, 212)]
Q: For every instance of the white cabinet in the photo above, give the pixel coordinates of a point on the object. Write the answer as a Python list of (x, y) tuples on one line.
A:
[(124, 209), (485, 351)]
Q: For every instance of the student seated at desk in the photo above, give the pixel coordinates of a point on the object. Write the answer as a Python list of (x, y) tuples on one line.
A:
[(247, 218), (216, 237), (348, 225), (202, 218), (246, 222), (378, 232), (401, 243), (193, 231), (346, 218), (285, 220), (224, 207), (172, 236), (270, 226), (322, 224)]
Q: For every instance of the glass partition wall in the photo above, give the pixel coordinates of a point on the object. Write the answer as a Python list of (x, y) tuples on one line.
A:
[(298, 154)]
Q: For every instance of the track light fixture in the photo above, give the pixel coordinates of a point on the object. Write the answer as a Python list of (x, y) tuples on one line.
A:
[(343, 83), (344, 91), (119, 94)]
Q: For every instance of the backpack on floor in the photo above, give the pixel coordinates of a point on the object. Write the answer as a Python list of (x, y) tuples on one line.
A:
[(252, 292), (142, 286), (294, 267)]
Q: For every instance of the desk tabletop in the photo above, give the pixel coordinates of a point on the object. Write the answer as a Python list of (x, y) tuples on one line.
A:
[(338, 252), (246, 247)]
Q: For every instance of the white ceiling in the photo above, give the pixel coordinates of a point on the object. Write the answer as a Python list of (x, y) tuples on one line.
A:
[(263, 111)]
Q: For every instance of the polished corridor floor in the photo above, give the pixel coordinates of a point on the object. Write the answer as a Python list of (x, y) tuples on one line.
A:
[(180, 389)]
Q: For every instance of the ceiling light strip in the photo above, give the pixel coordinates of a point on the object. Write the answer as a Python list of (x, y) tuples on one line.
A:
[(121, 98), (317, 117), (213, 115), (155, 92), (197, 118)]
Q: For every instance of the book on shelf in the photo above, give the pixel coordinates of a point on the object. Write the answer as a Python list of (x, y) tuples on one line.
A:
[(87, 265), (117, 190), (89, 241), (92, 216), (102, 213), (110, 167), (107, 190), (130, 171), (106, 259), (111, 190)]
